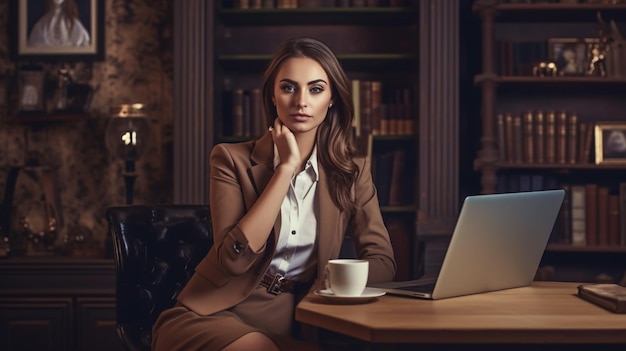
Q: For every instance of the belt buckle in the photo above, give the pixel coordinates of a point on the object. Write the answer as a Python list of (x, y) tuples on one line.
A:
[(274, 287)]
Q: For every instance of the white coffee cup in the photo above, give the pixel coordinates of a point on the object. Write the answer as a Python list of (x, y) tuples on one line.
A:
[(347, 277)]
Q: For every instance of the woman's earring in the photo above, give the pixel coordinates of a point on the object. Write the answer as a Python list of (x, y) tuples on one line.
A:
[(331, 105)]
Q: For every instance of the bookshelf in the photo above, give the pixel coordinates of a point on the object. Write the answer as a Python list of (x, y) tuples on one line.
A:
[(223, 47), (522, 149), (244, 42)]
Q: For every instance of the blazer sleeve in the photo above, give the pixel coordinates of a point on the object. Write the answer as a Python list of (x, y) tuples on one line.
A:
[(230, 254), (368, 229)]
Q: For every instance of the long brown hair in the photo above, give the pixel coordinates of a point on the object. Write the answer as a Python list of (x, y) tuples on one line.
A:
[(335, 143)]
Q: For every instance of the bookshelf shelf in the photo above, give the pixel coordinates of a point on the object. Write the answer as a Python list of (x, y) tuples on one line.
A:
[(523, 80), (392, 61), (561, 167), (370, 16), (585, 249), (551, 12), (398, 209)]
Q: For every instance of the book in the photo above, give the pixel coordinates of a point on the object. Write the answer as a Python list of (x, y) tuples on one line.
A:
[(356, 101), (578, 214), (375, 107), (550, 132), (508, 125), (561, 137), (540, 137), (572, 138), (517, 139), (501, 137), (237, 112), (614, 236), (591, 203), (398, 188), (603, 216), (529, 137), (622, 213), (610, 296)]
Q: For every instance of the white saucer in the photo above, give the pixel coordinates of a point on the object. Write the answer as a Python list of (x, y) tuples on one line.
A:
[(367, 295)]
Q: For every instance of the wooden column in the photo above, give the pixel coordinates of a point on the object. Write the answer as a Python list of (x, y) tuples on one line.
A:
[(488, 155), (438, 126), (193, 100)]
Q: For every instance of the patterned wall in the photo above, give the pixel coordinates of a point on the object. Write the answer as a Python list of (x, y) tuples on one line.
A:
[(138, 67)]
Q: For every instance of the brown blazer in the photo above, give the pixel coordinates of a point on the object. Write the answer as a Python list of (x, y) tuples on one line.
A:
[(230, 271)]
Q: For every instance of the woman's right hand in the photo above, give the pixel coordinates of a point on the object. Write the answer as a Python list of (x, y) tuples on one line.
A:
[(286, 144)]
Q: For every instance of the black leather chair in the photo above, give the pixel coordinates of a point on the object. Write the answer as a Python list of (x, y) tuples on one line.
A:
[(156, 249)]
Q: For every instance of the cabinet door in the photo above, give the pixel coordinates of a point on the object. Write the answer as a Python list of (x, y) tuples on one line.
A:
[(96, 327), (35, 324)]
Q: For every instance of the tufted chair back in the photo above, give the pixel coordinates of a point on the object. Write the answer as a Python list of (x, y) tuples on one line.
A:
[(156, 249)]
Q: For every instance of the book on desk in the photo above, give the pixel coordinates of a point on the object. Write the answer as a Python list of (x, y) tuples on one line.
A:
[(610, 296)]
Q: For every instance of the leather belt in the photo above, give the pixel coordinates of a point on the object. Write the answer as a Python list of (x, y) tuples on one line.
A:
[(276, 283)]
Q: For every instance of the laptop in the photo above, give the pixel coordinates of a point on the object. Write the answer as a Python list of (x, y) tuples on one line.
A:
[(497, 244)]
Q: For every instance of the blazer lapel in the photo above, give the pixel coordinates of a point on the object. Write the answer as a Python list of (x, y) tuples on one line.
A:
[(330, 228), (262, 158)]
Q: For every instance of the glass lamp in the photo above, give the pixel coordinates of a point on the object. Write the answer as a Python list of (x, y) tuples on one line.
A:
[(127, 135)]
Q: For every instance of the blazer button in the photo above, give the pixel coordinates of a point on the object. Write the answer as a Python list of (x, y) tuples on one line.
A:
[(237, 247)]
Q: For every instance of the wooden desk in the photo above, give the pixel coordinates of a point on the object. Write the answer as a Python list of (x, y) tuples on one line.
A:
[(543, 313)]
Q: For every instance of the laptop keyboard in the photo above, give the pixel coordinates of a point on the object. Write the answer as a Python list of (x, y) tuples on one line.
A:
[(422, 288)]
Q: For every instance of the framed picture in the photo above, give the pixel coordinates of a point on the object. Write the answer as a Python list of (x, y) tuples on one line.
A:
[(31, 89), (58, 30), (569, 55), (610, 142)]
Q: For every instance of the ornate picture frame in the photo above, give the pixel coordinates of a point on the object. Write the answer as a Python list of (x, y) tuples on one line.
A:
[(31, 80), (569, 55), (610, 142), (79, 35)]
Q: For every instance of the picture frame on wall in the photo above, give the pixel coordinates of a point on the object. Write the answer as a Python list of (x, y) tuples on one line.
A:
[(31, 81), (569, 55), (70, 30), (610, 143)]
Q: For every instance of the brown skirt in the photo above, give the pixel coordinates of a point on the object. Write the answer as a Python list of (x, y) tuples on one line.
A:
[(179, 328)]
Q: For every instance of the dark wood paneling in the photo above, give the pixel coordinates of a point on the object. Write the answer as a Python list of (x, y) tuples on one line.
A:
[(35, 324)]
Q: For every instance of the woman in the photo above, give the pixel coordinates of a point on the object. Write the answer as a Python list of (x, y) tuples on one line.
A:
[(280, 207), (59, 26)]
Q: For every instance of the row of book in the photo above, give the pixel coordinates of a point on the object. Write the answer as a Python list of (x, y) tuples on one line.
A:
[(392, 177), (594, 215), (376, 112), (243, 115), (292, 4), (381, 112), (591, 215), (544, 137)]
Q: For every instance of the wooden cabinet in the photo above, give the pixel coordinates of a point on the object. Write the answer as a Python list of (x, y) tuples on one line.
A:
[(55, 303), (540, 129)]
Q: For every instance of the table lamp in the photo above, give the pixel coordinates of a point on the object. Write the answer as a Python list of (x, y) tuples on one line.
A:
[(126, 137)]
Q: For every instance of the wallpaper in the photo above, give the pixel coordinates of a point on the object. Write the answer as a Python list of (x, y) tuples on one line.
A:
[(138, 67)]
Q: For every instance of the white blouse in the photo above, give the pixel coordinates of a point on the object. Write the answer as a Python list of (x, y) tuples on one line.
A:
[(298, 223)]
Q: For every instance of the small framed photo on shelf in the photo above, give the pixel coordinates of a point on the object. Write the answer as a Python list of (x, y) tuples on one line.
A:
[(569, 55), (610, 142), (58, 30), (31, 80)]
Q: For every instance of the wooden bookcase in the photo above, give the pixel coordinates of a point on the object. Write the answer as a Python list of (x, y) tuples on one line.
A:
[(244, 41), (516, 37), (219, 48)]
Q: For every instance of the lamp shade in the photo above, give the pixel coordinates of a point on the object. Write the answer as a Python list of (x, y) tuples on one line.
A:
[(128, 132)]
